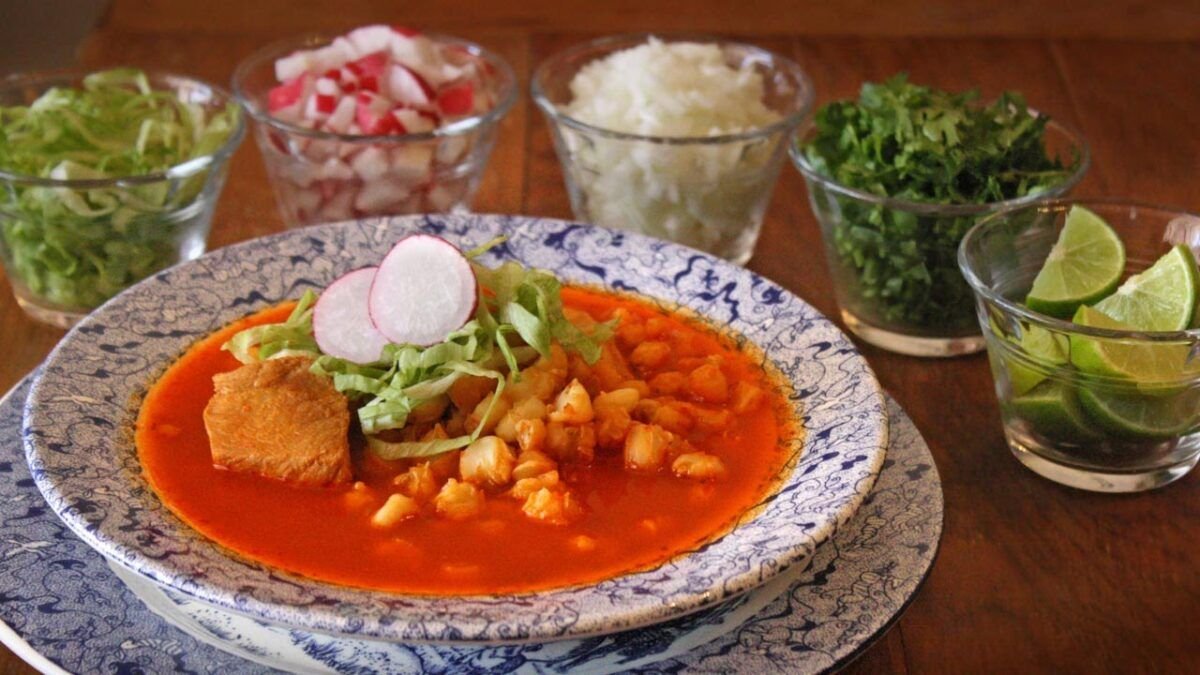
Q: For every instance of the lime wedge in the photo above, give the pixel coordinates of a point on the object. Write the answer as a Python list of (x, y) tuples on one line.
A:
[(1042, 345), (1153, 366), (1084, 266), (1136, 415), (1053, 410), (1162, 298)]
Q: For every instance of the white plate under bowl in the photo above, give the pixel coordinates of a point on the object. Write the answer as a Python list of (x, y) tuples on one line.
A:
[(79, 417)]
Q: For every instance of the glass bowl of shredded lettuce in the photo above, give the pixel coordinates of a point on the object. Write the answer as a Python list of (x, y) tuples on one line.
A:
[(108, 177), (898, 176)]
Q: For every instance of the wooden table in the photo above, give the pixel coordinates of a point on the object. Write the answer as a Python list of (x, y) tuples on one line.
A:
[(1031, 576)]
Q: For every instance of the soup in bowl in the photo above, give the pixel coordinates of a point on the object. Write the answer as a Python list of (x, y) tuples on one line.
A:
[(690, 431)]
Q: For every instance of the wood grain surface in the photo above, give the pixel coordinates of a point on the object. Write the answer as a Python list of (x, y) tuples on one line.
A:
[(1032, 576)]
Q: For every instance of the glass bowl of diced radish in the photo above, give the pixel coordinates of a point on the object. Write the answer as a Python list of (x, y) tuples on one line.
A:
[(381, 121)]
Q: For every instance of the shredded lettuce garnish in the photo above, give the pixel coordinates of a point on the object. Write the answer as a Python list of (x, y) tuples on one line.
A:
[(78, 247), (516, 305)]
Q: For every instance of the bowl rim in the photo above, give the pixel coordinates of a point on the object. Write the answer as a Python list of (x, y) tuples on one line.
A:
[(810, 173), (380, 615), (1061, 205), (182, 170), (506, 100), (613, 42)]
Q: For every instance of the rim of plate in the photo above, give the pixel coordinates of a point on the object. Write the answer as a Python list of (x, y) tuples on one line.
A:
[(79, 416)]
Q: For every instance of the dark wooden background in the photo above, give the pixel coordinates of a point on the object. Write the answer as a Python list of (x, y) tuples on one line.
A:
[(1031, 576)]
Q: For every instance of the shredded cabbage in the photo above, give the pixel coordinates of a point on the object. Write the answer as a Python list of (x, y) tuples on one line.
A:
[(77, 247), (513, 301)]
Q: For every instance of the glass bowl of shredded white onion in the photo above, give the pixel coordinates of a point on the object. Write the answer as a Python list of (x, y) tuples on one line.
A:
[(678, 138)]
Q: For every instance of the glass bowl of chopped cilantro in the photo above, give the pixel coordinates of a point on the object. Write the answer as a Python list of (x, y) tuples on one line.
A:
[(897, 177), (108, 177)]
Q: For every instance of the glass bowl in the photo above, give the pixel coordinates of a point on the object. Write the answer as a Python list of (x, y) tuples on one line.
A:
[(70, 245), (1076, 427), (707, 192), (314, 174), (893, 261)]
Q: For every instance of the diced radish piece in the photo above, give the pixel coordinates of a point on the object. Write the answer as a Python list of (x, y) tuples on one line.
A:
[(415, 121), (342, 323), (369, 83), (380, 196), (371, 39), (451, 150), (342, 116), (348, 79), (370, 164), (348, 151), (405, 86), (320, 150), (339, 207), (334, 74), (285, 95), (371, 65), (457, 100), (327, 87), (290, 67), (301, 174), (411, 161), (421, 55), (372, 114), (278, 141), (335, 169), (333, 55), (440, 199), (304, 200), (346, 49), (319, 106), (423, 290)]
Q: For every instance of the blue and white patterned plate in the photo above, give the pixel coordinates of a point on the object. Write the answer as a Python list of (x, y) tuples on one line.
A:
[(79, 418), (67, 610)]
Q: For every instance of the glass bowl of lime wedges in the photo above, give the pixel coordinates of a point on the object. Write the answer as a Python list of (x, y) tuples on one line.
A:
[(1091, 315)]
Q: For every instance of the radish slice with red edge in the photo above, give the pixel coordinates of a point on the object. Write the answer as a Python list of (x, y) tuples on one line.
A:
[(424, 290), (341, 323)]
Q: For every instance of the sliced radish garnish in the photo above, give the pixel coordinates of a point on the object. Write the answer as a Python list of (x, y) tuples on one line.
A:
[(341, 323), (405, 86), (424, 289), (457, 100)]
